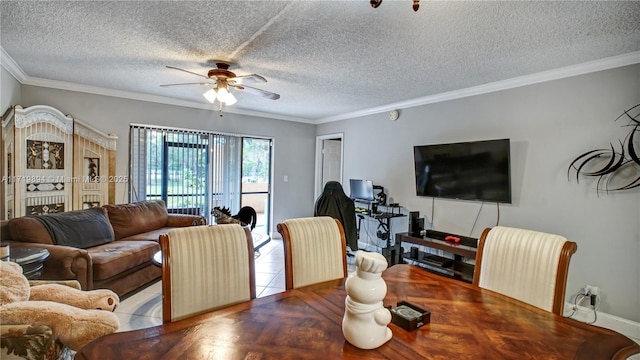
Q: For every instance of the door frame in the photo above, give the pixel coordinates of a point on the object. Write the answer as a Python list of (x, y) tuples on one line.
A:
[(268, 209), (319, 158)]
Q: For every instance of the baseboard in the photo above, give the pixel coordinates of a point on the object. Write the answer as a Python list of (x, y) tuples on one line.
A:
[(623, 326)]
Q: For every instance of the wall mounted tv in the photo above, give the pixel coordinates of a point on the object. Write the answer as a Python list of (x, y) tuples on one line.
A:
[(477, 170)]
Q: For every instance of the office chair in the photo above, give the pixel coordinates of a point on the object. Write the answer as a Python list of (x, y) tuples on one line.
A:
[(335, 203)]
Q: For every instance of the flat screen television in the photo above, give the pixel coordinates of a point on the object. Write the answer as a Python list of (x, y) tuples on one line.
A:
[(361, 189), (477, 170)]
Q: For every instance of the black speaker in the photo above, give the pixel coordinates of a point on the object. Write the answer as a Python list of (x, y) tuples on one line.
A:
[(414, 228), (419, 227)]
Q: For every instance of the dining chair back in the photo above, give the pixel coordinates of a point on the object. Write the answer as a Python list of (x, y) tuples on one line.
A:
[(314, 250), (527, 265), (204, 268)]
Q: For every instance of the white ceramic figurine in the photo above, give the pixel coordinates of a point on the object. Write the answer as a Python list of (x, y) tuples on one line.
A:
[(365, 320)]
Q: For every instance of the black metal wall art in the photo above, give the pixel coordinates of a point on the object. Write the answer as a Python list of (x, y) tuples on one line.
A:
[(606, 164)]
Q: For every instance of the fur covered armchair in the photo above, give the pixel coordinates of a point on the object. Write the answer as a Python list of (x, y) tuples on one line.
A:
[(50, 319)]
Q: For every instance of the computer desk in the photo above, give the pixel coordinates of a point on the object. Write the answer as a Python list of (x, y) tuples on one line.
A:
[(391, 252)]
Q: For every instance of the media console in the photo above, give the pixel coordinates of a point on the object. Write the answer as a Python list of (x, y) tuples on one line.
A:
[(455, 267)]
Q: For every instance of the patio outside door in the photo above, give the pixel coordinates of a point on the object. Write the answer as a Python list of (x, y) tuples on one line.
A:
[(256, 182)]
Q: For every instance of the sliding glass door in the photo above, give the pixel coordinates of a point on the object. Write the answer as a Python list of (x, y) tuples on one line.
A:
[(195, 171), (170, 165), (256, 179), (184, 174)]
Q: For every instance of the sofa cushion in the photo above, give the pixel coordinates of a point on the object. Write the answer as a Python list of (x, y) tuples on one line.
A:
[(28, 229), (115, 258), (135, 218), (153, 235)]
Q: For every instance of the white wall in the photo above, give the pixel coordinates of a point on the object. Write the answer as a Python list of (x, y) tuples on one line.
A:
[(549, 124), (293, 142), (9, 90)]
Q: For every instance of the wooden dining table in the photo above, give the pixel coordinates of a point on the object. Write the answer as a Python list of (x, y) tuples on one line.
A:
[(466, 323)]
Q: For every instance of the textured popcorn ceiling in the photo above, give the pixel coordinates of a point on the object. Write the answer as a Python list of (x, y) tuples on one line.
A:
[(327, 59)]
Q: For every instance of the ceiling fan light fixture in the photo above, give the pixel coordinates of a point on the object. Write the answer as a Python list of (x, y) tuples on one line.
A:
[(221, 80), (230, 99), (226, 97), (223, 92), (210, 95), (222, 95)]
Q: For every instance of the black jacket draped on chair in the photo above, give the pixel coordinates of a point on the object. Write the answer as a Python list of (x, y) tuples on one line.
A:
[(333, 202)]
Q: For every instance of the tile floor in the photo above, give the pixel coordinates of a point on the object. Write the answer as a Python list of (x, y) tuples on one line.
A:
[(144, 308)]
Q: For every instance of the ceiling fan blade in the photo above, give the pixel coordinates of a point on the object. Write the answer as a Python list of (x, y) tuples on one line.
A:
[(248, 79), (187, 71), (255, 91), (193, 83)]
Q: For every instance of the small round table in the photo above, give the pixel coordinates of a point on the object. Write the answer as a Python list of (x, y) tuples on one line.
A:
[(156, 259), (31, 259)]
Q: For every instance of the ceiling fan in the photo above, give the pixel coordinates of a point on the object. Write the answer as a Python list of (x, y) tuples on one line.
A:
[(221, 80)]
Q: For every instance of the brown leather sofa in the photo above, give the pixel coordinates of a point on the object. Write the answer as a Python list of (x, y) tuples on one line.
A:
[(122, 263)]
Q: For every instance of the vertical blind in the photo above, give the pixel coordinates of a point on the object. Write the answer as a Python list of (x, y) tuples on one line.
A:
[(192, 171), (226, 171)]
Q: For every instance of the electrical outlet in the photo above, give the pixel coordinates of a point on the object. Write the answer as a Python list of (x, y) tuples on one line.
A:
[(591, 290)]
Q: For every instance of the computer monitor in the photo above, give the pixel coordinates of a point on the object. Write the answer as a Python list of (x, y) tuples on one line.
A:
[(361, 189)]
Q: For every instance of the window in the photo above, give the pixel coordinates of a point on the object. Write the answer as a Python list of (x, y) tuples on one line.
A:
[(171, 165), (195, 171)]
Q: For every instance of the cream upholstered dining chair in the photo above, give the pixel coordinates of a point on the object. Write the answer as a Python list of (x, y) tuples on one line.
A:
[(314, 250), (204, 268), (527, 265)]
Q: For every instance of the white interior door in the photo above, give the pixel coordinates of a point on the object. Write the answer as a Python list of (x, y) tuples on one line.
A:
[(331, 160)]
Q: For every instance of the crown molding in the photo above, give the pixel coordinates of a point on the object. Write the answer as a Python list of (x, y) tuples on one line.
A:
[(7, 62), (573, 70), (62, 85), (568, 71), (12, 67)]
